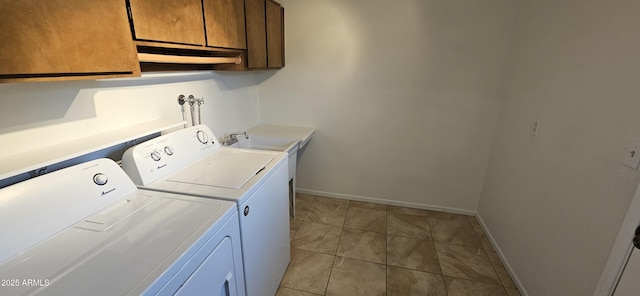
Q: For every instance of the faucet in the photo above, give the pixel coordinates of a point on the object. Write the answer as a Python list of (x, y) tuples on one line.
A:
[(233, 138)]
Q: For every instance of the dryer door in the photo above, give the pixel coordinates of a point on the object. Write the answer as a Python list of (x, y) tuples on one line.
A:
[(215, 276)]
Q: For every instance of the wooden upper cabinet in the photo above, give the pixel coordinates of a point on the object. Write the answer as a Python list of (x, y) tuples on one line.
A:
[(265, 34), (65, 39), (172, 21), (275, 35), (224, 20), (256, 34)]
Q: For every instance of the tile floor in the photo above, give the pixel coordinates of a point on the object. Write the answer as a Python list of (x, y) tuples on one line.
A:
[(342, 247)]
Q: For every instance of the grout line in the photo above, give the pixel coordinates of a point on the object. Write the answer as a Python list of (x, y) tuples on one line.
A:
[(330, 273)]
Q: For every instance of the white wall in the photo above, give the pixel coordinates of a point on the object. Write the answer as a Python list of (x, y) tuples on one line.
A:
[(36, 115), (404, 95), (554, 203)]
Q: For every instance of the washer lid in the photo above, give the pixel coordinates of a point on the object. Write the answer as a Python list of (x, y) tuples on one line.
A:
[(223, 168)]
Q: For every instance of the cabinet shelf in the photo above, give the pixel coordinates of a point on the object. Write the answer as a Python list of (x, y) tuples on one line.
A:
[(27, 161)]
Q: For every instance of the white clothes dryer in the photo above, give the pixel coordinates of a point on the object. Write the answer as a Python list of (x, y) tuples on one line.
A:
[(87, 230), (190, 161)]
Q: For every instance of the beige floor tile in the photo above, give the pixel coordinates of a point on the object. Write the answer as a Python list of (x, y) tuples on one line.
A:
[(350, 277), (503, 275), (412, 253), (474, 220), (453, 231), (363, 245), (327, 212), (303, 205), (282, 291), (316, 237), (338, 201), (485, 243), (306, 197), (405, 210), (446, 215), (406, 282), (308, 271), (512, 292), (407, 225), (466, 262), (294, 225), (461, 287), (340, 247), (484, 240), (366, 219), (367, 205)]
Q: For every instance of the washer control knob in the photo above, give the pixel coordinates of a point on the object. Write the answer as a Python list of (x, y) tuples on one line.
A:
[(100, 179), (155, 155), (168, 150), (202, 137)]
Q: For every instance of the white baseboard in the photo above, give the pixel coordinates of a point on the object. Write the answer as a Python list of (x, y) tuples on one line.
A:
[(385, 201), (504, 260)]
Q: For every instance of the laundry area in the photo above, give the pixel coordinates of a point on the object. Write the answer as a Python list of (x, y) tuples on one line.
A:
[(320, 147)]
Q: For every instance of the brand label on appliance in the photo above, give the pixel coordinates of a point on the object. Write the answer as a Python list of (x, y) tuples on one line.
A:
[(108, 191)]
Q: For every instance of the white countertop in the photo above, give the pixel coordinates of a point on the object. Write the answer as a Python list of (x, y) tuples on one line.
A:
[(304, 134), (16, 164)]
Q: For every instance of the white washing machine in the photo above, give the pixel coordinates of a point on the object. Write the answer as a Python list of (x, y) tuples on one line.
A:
[(87, 230), (190, 161)]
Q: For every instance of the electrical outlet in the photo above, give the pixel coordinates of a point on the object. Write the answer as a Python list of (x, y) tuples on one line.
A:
[(632, 158), (535, 127), (39, 172)]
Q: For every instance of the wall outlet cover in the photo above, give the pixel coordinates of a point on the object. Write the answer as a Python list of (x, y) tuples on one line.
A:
[(535, 127), (632, 158)]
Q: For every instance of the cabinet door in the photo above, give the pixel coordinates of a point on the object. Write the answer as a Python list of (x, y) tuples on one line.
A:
[(50, 39), (173, 21), (256, 34), (275, 35), (224, 21)]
